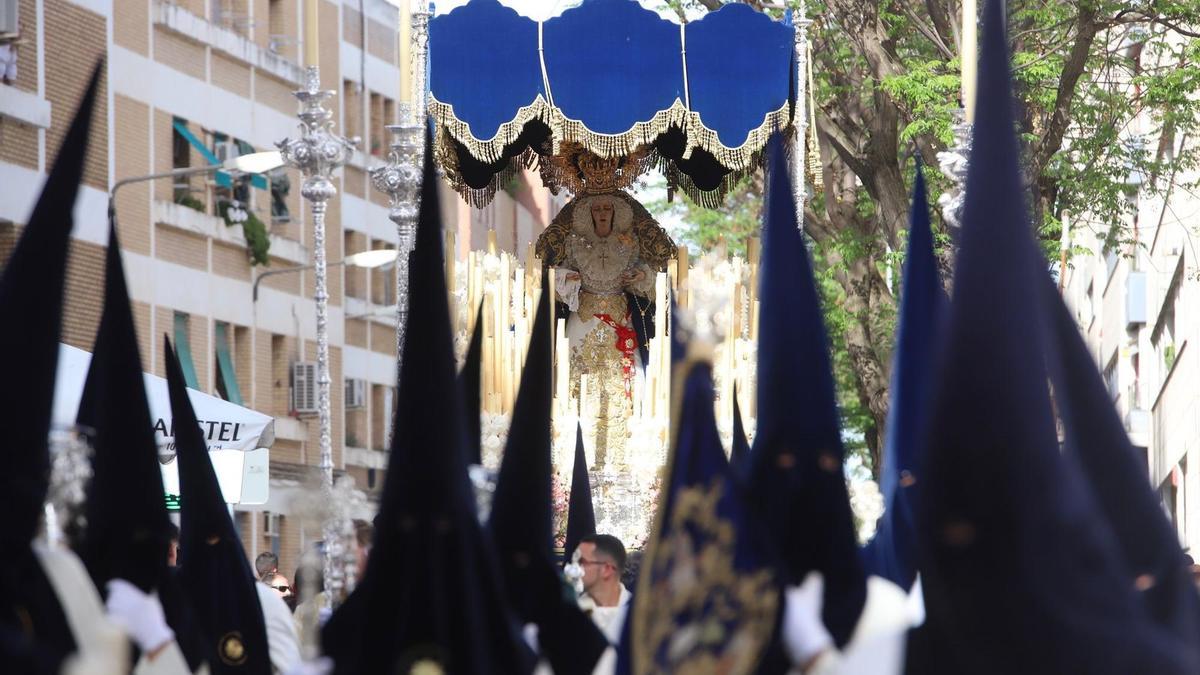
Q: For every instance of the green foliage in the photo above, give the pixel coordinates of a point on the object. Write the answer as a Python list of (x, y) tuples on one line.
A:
[(737, 220), (1107, 98), (258, 240), (185, 199)]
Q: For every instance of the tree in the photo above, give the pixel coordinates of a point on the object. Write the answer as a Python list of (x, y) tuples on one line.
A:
[(1095, 79)]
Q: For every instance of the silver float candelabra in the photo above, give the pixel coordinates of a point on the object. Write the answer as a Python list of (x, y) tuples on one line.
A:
[(400, 180), (954, 162), (317, 153)]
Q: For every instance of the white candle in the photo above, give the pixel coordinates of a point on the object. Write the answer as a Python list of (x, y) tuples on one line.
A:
[(405, 56), (969, 56), (311, 44)]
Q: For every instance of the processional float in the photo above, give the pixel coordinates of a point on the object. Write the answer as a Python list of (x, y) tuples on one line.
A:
[(593, 100)]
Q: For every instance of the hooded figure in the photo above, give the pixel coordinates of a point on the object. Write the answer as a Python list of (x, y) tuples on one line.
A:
[(740, 448), (430, 597), (468, 382), (522, 515), (35, 633), (892, 553), (128, 531), (214, 573), (1020, 570), (796, 479), (581, 516), (1154, 562), (709, 590)]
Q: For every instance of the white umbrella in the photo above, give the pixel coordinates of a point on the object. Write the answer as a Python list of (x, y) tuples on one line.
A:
[(237, 437)]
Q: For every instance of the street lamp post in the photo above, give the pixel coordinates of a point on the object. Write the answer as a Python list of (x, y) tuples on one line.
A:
[(363, 260), (317, 153), (258, 162)]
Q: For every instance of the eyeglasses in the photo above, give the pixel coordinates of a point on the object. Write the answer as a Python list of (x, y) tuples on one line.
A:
[(585, 561)]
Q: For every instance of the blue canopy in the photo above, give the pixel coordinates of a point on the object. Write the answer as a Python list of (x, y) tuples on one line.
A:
[(701, 98)]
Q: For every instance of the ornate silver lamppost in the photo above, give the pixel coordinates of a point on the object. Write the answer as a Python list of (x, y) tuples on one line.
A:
[(317, 153)]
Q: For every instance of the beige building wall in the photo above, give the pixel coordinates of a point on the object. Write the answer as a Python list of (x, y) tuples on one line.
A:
[(222, 68)]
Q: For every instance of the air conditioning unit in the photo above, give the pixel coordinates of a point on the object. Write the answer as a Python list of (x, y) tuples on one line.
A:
[(304, 387), (8, 17), (356, 393), (225, 150), (271, 524)]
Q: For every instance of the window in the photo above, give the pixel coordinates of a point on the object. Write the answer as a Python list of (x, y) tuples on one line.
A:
[(1164, 336), (183, 348), (227, 384), (1111, 379), (352, 107), (377, 145)]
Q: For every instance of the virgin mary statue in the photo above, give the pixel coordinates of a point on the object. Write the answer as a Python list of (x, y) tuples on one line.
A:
[(606, 249)]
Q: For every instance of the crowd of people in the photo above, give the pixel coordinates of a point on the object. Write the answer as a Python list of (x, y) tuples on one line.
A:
[(1004, 548)]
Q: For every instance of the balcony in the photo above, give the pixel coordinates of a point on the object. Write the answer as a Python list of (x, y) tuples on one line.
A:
[(179, 20), (214, 227)]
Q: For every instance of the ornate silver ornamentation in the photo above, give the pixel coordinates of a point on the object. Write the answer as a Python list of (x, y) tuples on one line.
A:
[(400, 180), (70, 471), (317, 153), (800, 121), (953, 163)]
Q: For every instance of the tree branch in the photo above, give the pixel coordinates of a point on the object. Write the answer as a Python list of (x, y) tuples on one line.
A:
[(1073, 67)]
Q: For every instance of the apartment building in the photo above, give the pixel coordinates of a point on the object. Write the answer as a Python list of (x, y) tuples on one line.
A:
[(192, 83), (1137, 303)]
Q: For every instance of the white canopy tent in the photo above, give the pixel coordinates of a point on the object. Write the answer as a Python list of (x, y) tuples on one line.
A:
[(238, 438)]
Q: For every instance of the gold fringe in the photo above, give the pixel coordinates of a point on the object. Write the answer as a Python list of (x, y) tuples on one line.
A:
[(489, 150), (565, 129), (616, 145), (742, 160), (745, 155)]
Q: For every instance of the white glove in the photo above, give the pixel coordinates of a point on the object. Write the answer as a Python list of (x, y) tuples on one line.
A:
[(139, 614), (804, 634), (321, 666)]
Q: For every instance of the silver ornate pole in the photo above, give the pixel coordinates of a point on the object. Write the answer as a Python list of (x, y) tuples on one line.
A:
[(800, 121), (317, 153), (400, 180)]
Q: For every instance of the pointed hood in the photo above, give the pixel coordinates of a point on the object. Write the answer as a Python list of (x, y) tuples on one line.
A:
[(521, 522), (581, 517), (469, 384), (740, 450), (796, 478), (430, 592), (705, 544), (892, 553), (31, 296), (128, 530), (1115, 471), (215, 574), (1011, 542)]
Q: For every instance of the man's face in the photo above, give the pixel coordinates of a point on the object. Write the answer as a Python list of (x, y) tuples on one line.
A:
[(280, 585), (595, 565), (602, 217), (173, 553)]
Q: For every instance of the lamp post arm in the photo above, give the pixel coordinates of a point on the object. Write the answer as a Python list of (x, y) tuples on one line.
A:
[(173, 173), (285, 270)]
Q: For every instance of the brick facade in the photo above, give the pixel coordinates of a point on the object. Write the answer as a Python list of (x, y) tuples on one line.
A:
[(142, 140)]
